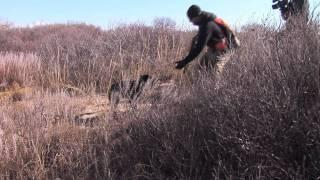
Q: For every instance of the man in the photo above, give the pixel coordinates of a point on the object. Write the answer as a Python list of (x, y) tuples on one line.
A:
[(214, 33)]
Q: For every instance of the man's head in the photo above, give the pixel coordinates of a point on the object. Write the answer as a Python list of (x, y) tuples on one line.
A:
[(193, 14)]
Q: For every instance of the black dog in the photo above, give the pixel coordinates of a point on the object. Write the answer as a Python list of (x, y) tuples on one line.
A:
[(130, 90)]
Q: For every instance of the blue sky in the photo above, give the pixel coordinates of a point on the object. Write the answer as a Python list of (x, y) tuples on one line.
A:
[(112, 12)]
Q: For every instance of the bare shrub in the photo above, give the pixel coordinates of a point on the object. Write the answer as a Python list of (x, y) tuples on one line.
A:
[(39, 141), (89, 58), (260, 124), (139, 49)]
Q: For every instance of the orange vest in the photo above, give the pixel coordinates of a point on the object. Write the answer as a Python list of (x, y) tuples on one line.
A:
[(223, 44)]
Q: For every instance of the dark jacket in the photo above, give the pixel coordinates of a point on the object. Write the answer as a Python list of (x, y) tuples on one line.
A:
[(209, 34)]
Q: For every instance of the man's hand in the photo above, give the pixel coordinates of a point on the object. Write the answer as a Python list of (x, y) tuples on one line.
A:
[(181, 64)]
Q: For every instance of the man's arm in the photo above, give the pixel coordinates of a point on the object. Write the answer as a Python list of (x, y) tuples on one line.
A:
[(198, 43), (203, 37)]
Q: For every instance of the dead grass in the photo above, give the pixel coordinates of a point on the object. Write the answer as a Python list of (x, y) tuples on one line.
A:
[(261, 123), (22, 69)]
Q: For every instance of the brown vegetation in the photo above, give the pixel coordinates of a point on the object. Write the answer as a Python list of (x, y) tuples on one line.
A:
[(261, 123)]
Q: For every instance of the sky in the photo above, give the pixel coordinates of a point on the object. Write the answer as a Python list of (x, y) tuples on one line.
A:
[(106, 13)]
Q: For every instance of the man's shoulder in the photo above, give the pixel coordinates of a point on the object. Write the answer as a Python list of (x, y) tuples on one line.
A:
[(211, 24)]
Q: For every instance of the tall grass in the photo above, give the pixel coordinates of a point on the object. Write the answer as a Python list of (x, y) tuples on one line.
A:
[(38, 140), (20, 67), (87, 57), (262, 122)]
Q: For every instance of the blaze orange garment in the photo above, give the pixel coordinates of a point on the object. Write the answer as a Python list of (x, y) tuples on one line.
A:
[(222, 45), (223, 23)]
